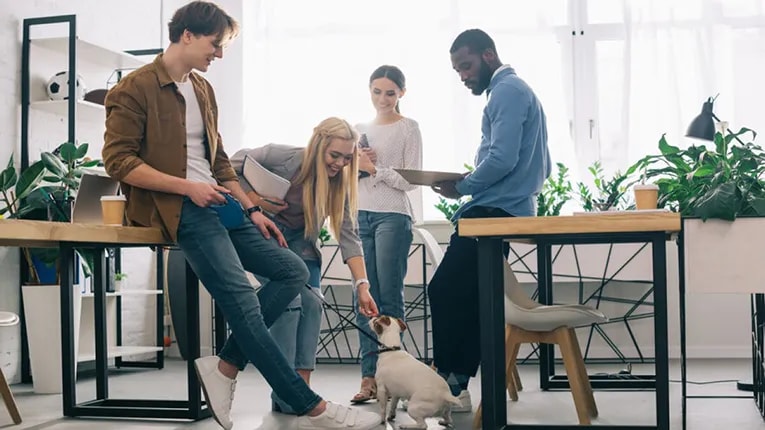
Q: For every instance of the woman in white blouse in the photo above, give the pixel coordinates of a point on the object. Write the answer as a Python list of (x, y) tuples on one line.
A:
[(390, 141)]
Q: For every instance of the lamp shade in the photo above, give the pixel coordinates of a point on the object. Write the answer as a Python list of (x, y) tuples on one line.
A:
[(703, 126)]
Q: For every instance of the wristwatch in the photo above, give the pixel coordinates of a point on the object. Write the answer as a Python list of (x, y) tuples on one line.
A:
[(252, 210), (359, 282)]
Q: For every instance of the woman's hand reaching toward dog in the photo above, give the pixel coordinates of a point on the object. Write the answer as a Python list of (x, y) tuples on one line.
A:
[(367, 305)]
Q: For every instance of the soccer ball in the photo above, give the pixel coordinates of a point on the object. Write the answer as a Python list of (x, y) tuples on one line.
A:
[(58, 87)]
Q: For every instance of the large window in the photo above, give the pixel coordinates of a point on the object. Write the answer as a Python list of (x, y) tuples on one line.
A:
[(612, 75)]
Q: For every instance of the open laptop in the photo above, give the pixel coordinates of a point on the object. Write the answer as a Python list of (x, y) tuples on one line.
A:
[(87, 204)]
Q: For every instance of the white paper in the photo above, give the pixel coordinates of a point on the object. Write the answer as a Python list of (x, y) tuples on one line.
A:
[(263, 181)]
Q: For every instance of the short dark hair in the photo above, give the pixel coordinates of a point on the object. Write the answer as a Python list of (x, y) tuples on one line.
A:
[(391, 72), (202, 18), (476, 40)]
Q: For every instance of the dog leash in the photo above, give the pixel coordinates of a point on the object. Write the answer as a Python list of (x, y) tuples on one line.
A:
[(383, 347)]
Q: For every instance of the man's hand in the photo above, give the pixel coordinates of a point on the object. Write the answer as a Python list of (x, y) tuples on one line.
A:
[(204, 194), (367, 305), (447, 189), (266, 227)]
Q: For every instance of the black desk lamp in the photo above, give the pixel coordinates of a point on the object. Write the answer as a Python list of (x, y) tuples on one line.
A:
[(703, 127)]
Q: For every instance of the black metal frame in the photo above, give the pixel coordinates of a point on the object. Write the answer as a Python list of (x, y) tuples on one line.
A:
[(71, 21), (103, 406), (416, 310), (491, 290)]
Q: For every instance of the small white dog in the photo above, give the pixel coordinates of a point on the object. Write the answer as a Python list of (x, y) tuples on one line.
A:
[(401, 376)]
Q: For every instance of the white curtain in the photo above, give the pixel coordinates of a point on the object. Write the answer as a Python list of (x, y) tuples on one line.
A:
[(673, 55)]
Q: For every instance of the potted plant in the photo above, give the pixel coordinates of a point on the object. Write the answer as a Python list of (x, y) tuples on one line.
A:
[(609, 194), (556, 192), (120, 281), (45, 191), (720, 191)]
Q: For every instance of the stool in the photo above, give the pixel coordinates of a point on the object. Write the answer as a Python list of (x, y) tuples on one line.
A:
[(8, 319)]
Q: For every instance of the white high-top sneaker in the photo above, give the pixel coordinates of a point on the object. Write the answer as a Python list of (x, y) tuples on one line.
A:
[(341, 417)]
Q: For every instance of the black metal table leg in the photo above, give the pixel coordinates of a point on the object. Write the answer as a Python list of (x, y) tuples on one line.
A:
[(661, 341), (491, 305), (68, 377)]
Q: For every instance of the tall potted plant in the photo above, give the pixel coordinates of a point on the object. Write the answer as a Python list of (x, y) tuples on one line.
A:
[(45, 191)]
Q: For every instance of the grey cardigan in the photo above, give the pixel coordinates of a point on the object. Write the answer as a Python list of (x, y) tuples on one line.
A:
[(285, 161)]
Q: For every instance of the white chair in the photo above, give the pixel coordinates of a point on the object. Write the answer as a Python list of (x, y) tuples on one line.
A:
[(9, 319), (530, 322), (432, 248)]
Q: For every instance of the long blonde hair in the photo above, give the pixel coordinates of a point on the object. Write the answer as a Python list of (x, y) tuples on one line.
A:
[(320, 192)]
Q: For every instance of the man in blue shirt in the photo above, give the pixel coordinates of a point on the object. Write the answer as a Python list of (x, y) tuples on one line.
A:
[(511, 165)]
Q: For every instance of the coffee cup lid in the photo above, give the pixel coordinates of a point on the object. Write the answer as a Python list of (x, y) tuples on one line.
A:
[(646, 187), (121, 197)]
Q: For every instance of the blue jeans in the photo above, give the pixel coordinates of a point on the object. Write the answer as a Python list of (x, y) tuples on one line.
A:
[(296, 331), (386, 238), (219, 257)]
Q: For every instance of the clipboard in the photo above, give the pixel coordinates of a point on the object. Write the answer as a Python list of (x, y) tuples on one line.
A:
[(427, 177), (263, 181)]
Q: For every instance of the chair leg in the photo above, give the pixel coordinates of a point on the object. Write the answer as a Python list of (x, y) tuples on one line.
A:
[(478, 418), (516, 376), (511, 354), (5, 393), (565, 339), (593, 408)]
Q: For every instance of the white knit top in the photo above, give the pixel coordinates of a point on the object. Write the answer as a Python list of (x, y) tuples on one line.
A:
[(398, 145)]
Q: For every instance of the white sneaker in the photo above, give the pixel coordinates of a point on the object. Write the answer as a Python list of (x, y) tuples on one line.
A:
[(340, 417), (467, 402), (218, 389)]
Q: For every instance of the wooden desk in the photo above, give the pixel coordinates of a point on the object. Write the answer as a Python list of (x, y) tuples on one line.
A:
[(626, 227), (67, 237)]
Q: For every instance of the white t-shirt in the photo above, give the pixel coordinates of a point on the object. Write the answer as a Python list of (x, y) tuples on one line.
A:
[(198, 168)]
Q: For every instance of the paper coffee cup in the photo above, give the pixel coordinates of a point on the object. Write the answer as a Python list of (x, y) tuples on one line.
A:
[(113, 209), (646, 196)]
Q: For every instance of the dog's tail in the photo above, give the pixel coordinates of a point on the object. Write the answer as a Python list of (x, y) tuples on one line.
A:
[(449, 398)]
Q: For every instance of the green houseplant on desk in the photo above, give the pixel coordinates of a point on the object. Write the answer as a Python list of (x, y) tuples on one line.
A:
[(45, 191)]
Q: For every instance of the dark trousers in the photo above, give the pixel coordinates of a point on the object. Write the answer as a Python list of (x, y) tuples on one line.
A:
[(453, 294)]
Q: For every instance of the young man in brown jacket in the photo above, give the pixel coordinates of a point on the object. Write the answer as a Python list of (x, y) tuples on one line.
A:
[(163, 144)]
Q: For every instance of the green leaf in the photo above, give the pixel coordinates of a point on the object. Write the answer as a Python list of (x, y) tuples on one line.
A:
[(29, 180), (82, 151), (53, 179), (53, 164), (666, 148), (722, 201), (91, 163), (8, 178), (68, 152), (758, 204), (703, 171)]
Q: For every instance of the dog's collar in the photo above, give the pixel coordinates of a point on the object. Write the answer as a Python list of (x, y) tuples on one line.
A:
[(387, 349)]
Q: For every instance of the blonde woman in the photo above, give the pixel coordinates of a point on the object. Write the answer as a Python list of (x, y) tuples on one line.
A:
[(324, 186)]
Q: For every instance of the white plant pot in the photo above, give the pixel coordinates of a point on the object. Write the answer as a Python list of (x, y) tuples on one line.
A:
[(42, 311), (119, 285), (724, 256)]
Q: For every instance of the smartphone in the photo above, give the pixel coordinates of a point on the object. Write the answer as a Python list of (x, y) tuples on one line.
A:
[(363, 142)]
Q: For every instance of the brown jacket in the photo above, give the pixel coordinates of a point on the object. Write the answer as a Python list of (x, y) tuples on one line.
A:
[(146, 123)]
